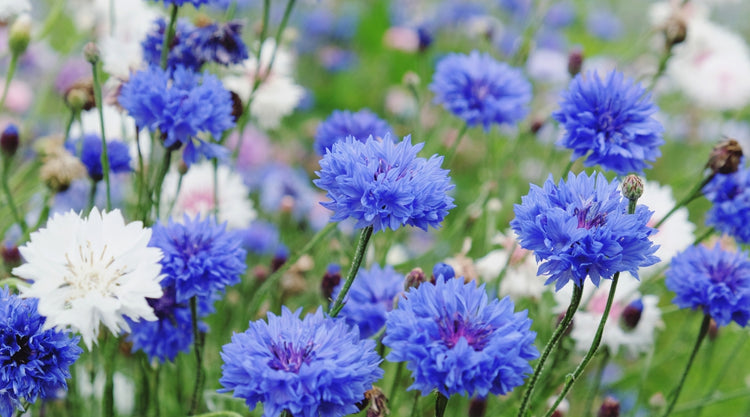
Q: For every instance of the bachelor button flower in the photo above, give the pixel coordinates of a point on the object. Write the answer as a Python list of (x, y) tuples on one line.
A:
[(611, 121), (200, 259), (479, 89), (34, 361), (181, 105), (716, 280), (370, 297), (180, 3), (384, 184), (341, 124), (90, 148), (180, 52), (91, 271), (581, 228), (730, 209), (315, 366), (219, 42), (453, 338)]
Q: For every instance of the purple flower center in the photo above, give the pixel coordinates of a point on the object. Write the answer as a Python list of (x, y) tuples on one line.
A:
[(24, 351), (590, 217), (606, 123), (164, 307), (476, 334), (289, 358)]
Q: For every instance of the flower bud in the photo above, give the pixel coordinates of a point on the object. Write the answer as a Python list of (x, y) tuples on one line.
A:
[(80, 95), (11, 256), (632, 187), (675, 31), (610, 408), (713, 330), (377, 401), (20, 35), (725, 157), (631, 315), (414, 279), (9, 140), (444, 270), (478, 407), (411, 79), (182, 167), (237, 107), (59, 170), (91, 52), (280, 258), (331, 279), (575, 61)]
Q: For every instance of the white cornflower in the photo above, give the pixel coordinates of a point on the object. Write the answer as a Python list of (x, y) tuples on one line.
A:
[(196, 195), (520, 279), (91, 271)]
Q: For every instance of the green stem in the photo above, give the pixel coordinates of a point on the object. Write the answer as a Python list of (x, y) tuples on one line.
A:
[(168, 36), (454, 148), (364, 238), (415, 406), (92, 196), (662, 67), (177, 194), (704, 236), (159, 181), (274, 277), (9, 196), (198, 344), (256, 82), (692, 195), (73, 117), (24, 407), (597, 382), (110, 344), (441, 402), (8, 79), (100, 107), (394, 385), (571, 379), (701, 335), (216, 189), (12, 283), (279, 33), (728, 362), (575, 300), (567, 169)]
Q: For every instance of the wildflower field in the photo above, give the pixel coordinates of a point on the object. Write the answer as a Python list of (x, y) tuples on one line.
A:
[(307, 208)]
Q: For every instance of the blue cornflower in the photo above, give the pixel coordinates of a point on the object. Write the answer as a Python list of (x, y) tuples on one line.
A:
[(582, 228), (716, 280), (315, 366), (219, 42), (481, 90), (90, 148), (730, 198), (34, 361), (370, 298), (180, 3), (200, 257), (453, 338), (180, 52), (172, 331), (443, 270), (384, 184), (181, 108), (261, 237), (340, 124), (611, 121)]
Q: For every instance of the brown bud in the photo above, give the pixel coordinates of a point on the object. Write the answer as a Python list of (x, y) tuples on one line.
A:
[(237, 107), (59, 169), (575, 61), (80, 95), (675, 31), (632, 187), (536, 126), (478, 407), (11, 256), (9, 140), (713, 330), (631, 315), (725, 157), (378, 403), (331, 279), (182, 167), (414, 279), (610, 408), (91, 52)]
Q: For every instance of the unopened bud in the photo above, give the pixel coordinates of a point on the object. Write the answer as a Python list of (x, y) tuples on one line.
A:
[(725, 157), (378, 403), (11, 256), (411, 79), (657, 401), (20, 35), (443, 270), (237, 107), (610, 408), (713, 330), (478, 407), (80, 95), (425, 38), (260, 273), (414, 279), (280, 258), (182, 167), (675, 31), (9, 140), (575, 61), (536, 126), (91, 52), (331, 279), (631, 315), (632, 187)]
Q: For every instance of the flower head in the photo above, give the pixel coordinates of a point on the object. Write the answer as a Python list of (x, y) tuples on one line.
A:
[(315, 366), (384, 184), (181, 105), (91, 271), (481, 90), (730, 209), (200, 257), (180, 52), (611, 121), (453, 338), (715, 280), (90, 147), (340, 124), (370, 298), (34, 361), (219, 42), (581, 228)]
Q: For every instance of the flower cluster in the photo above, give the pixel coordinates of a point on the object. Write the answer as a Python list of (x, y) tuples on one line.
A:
[(370, 298), (715, 280), (611, 121), (730, 198), (384, 184), (581, 228), (201, 258), (34, 360), (481, 90), (181, 105), (340, 124), (92, 271), (219, 42), (453, 338), (90, 147), (180, 52), (315, 366)]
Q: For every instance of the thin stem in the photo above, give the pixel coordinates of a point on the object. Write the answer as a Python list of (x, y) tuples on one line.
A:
[(696, 192), (69, 125), (168, 36), (177, 194), (567, 169), (441, 402), (575, 300), (454, 148), (597, 381), (662, 67), (256, 82), (571, 379), (415, 406), (701, 335), (279, 32), (198, 344), (8, 79), (100, 107), (110, 344), (728, 362), (92, 196), (159, 181), (216, 189), (9, 196), (704, 236), (359, 254), (394, 385), (274, 277)]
